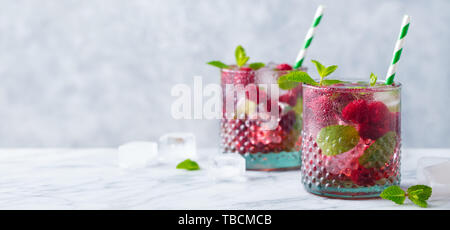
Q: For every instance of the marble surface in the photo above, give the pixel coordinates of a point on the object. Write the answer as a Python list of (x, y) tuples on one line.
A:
[(90, 179)]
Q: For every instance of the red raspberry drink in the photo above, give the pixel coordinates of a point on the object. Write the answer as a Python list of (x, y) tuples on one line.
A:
[(351, 139), (245, 124)]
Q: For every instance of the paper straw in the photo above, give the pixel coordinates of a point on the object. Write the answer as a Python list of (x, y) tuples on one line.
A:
[(309, 37), (397, 51)]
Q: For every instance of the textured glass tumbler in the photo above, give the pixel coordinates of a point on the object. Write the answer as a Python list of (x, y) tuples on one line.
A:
[(351, 139), (244, 130)]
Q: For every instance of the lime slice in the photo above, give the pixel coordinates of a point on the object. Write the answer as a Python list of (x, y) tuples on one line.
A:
[(337, 139), (247, 107), (298, 108), (380, 152)]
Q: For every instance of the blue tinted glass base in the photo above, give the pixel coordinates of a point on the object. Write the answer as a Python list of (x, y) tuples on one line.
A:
[(273, 161), (350, 193)]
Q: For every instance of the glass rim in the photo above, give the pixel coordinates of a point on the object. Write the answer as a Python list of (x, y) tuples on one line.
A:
[(246, 71), (395, 86)]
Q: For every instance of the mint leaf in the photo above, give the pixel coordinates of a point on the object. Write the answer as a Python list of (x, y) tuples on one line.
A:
[(373, 79), (286, 84), (380, 152), (331, 82), (422, 191), (320, 67), (394, 193), (337, 139), (420, 203), (241, 56), (188, 164), (414, 197), (256, 65), (218, 64), (291, 80), (329, 70)]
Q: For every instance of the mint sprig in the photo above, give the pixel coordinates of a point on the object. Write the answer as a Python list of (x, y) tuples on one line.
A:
[(418, 194), (241, 56), (241, 60), (323, 70), (218, 64), (293, 78), (373, 79), (188, 164)]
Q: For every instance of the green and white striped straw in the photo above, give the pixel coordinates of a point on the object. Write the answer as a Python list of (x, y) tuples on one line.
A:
[(397, 51), (309, 37)]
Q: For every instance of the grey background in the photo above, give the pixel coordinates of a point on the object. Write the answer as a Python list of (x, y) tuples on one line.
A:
[(99, 73)]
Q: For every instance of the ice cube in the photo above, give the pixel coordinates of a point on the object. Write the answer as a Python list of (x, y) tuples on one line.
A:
[(424, 162), (137, 154), (227, 167), (345, 162), (267, 76), (434, 171), (174, 147), (390, 99), (271, 65), (438, 173)]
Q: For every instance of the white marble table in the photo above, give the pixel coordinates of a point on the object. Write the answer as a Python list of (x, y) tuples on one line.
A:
[(90, 179)]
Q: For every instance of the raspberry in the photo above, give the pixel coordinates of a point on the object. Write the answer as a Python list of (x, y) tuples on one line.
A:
[(363, 177), (373, 119), (244, 76), (379, 121), (372, 131), (287, 121), (289, 98), (357, 112), (379, 112), (284, 66), (298, 91)]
